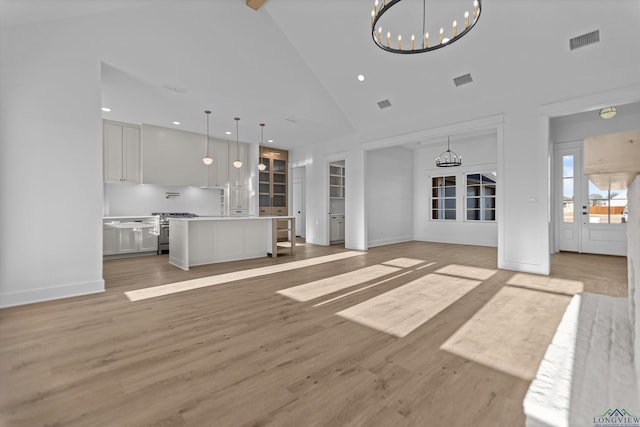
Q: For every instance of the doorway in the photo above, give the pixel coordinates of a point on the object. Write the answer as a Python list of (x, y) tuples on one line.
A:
[(590, 219), (298, 200), (337, 185)]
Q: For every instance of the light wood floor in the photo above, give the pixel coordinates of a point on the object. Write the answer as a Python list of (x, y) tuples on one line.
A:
[(238, 354)]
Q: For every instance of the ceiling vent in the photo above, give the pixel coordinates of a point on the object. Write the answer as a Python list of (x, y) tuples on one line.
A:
[(384, 104), (584, 40), (462, 80)]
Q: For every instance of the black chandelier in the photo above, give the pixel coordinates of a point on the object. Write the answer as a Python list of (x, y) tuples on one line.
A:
[(420, 46), (448, 158)]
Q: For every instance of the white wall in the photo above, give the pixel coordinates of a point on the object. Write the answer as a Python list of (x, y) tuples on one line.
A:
[(123, 200), (633, 260), (479, 154), (50, 163), (577, 127), (389, 198)]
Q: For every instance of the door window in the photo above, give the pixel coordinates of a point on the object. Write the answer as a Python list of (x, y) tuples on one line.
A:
[(606, 206)]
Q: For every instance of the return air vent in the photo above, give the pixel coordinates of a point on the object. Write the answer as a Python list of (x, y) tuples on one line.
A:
[(384, 104), (462, 80), (584, 40)]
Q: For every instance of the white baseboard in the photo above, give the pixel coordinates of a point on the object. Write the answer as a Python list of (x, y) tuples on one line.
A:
[(46, 294), (390, 241), (523, 267), (468, 240)]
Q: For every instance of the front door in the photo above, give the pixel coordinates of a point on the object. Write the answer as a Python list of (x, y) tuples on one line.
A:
[(590, 219)]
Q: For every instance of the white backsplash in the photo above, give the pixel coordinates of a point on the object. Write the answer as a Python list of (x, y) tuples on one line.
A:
[(122, 200)]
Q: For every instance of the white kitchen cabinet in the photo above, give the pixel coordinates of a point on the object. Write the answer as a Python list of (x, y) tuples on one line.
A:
[(109, 246), (123, 235), (147, 239), (336, 227), (126, 242), (121, 145), (218, 171), (173, 157), (238, 201), (238, 177)]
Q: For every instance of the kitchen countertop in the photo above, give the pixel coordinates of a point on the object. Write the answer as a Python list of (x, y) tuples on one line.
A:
[(112, 218), (228, 218)]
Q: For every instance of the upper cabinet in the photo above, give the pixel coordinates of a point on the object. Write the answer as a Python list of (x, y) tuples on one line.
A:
[(173, 157), (238, 176), (336, 181), (219, 170), (272, 182), (121, 145)]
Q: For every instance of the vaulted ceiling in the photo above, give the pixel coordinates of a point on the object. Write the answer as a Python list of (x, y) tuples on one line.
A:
[(293, 64)]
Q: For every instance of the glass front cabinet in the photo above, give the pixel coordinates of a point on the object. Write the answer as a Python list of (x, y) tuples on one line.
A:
[(273, 182)]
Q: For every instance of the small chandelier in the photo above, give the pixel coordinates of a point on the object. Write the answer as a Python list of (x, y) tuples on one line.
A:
[(448, 158), (207, 160), (237, 163), (422, 45), (261, 165)]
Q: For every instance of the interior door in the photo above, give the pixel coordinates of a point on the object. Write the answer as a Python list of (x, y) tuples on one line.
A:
[(589, 219), (298, 205)]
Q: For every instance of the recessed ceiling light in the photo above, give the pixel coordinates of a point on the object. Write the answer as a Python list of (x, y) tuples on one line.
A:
[(269, 140), (227, 133), (360, 77), (175, 122), (106, 109)]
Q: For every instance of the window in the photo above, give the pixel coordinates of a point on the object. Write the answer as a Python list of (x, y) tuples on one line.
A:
[(606, 206), (567, 189), (443, 197), (481, 196)]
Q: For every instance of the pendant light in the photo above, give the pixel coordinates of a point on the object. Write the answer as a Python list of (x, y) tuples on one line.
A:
[(237, 163), (207, 160), (261, 165), (448, 158)]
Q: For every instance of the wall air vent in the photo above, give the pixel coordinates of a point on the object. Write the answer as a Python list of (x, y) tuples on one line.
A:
[(384, 104), (462, 80), (584, 40)]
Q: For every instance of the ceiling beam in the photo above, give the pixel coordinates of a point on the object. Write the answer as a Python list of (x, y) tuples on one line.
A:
[(255, 4)]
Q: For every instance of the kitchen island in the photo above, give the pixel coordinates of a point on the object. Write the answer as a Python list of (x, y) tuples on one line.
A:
[(208, 240)]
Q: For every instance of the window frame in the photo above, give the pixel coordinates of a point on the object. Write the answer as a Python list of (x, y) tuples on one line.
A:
[(481, 194), (444, 198)]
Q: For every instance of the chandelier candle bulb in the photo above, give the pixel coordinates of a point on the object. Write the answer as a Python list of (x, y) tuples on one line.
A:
[(466, 19), (399, 41), (389, 39), (455, 28), (373, 16), (476, 8), (441, 35), (375, 7), (426, 40), (413, 42), (380, 35)]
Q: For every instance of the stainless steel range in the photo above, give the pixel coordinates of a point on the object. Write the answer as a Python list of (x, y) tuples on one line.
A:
[(163, 237)]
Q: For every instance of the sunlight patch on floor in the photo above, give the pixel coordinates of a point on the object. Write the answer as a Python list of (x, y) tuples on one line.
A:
[(322, 287), (511, 332), (188, 285), (546, 283), (476, 273), (403, 309), (404, 262), (288, 244)]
